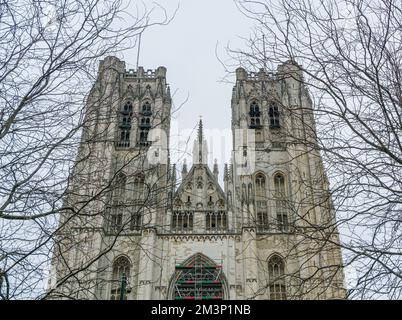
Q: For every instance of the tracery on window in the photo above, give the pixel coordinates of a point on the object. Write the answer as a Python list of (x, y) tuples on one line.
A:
[(254, 113), (276, 278), (215, 220), (120, 279), (125, 125), (260, 182), (182, 221), (144, 123), (198, 278), (281, 203)]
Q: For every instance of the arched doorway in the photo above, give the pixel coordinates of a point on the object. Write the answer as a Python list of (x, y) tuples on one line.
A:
[(198, 278)]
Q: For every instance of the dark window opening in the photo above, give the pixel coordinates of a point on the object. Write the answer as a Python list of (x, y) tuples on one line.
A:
[(120, 279), (182, 221), (276, 275), (273, 113), (145, 124), (254, 114), (125, 125), (216, 221)]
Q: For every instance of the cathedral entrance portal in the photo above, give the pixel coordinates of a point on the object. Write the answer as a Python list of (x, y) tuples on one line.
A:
[(198, 278)]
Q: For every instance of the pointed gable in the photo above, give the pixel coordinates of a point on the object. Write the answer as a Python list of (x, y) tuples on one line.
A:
[(199, 189)]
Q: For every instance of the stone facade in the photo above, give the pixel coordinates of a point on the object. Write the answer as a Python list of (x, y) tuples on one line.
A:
[(133, 232)]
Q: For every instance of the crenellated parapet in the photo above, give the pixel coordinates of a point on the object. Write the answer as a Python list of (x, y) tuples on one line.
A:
[(141, 73)]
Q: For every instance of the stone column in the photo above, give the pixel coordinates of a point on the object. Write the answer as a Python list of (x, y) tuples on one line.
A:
[(146, 264), (250, 262)]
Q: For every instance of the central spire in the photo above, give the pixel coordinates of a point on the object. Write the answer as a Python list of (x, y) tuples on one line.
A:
[(200, 140), (200, 150)]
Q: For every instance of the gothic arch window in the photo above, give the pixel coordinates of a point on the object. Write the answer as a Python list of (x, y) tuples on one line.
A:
[(144, 123), (125, 117), (127, 108), (276, 281), (198, 278), (146, 107), (273, 113), (261, 202), (260, 185), (120, 279), (281, 202), (182, 221), (188, 203), (254, 113), (215, 221), (260, 182)]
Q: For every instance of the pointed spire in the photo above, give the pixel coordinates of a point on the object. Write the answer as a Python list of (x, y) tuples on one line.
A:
[(226, 173), (200, 141), (200, 150), (184, 170), (216, 170), (200, 135), (168, 96), (230, 171), (159, 91)]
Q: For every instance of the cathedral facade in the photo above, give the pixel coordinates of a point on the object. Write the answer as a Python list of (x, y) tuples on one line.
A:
[(134, 228)]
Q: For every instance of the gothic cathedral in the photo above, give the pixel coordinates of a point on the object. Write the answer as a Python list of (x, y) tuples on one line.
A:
[(132, 228)]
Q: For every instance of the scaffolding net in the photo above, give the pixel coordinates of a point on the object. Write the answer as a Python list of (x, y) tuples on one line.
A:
[(198, 279)]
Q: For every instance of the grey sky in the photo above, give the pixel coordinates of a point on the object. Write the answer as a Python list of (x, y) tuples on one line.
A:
[(187, 48)]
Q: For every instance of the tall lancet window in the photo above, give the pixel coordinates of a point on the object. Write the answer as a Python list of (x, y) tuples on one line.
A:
[(120, 276), (260, 184), (276, 281), (273, 113), (261, 202), (118, 203), (281, 203), (254, 113), (145, 123), (126, 114)]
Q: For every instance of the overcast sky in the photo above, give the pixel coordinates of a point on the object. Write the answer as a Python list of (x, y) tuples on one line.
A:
[(187, 48)]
